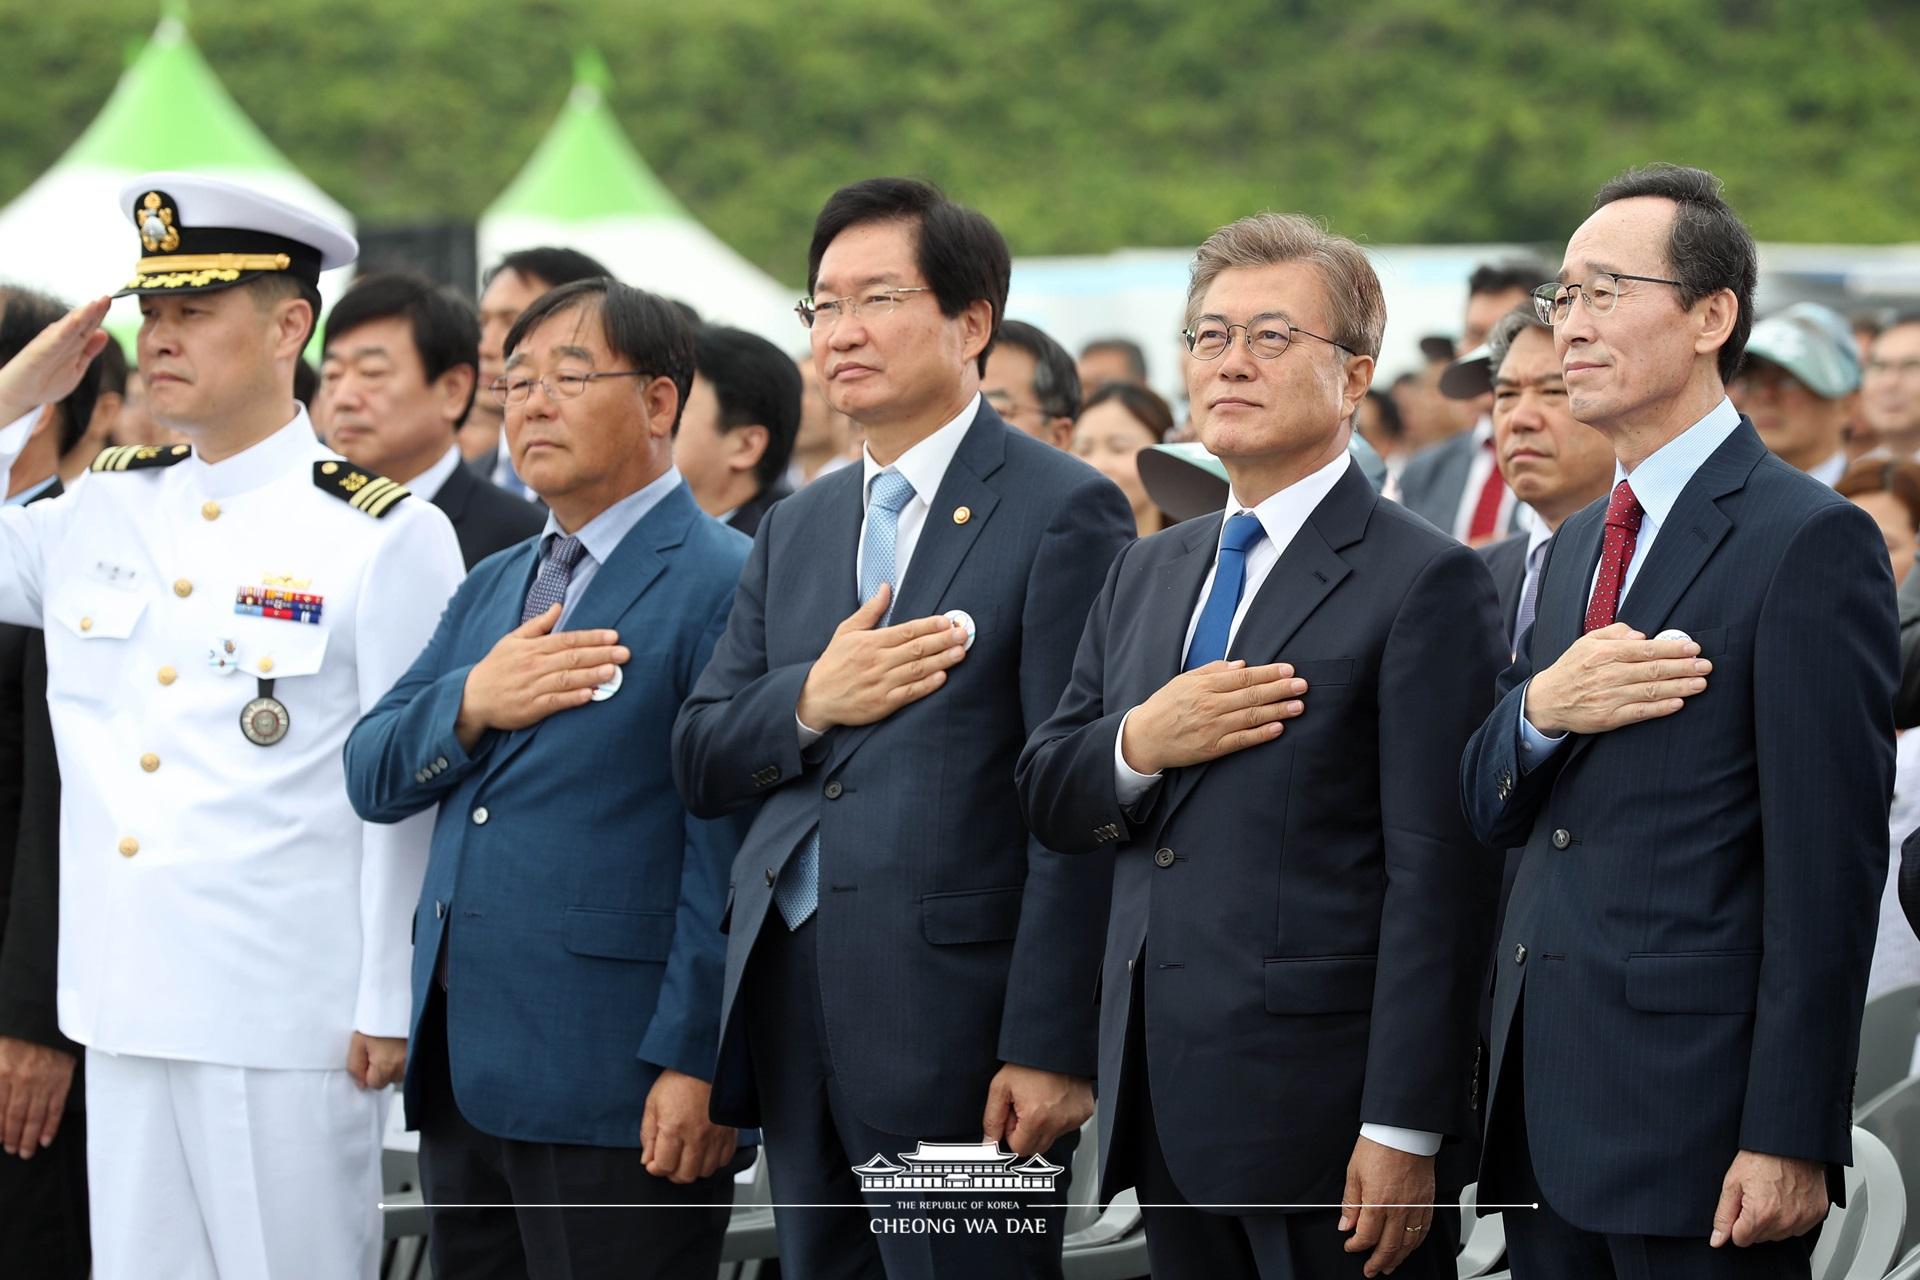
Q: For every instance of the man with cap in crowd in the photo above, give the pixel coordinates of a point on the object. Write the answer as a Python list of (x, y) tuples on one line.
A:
[(1798, 385), (234, 949), (1456, 484)]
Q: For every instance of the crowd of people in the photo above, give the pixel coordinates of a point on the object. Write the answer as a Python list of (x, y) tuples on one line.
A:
[(654, 751)]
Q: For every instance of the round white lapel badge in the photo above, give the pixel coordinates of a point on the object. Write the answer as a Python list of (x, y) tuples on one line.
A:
[(1672, 633), (965, 621), (601, 692)]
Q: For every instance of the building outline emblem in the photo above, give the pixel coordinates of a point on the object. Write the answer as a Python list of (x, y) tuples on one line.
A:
[(958, 1168)]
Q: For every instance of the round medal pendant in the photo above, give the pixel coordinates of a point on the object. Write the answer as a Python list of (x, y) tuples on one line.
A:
[(265, 721)]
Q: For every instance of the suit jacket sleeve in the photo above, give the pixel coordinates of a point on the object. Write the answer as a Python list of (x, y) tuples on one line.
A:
[(405, 587), (1065, 774), (394, 753), (1499, 797), (737, 728), (1049, 1021), (684, 1033), (1826, 662), (1906, 710), (1437, 676), (28, 1010)]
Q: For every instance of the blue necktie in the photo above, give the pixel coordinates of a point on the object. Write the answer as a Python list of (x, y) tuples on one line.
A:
[(797, 893), (556, 570), (1229, 579)]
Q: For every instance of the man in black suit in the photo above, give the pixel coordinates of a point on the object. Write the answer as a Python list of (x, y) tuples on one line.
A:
[(1695, 748), (43, 1175), (906, 964), (1551, 462), (736, 433), (401, 356), (1300, 916)]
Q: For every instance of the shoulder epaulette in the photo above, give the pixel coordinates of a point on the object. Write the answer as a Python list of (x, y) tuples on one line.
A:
[(361, 490), (140, 457)]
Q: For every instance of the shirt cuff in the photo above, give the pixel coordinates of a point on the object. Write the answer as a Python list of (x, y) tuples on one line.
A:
[(1536, 748), (807, 736), (1128, 783), (1415, 1142)]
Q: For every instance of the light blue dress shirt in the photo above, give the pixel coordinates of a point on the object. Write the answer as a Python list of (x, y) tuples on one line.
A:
[(1657, 483), (602, 534)]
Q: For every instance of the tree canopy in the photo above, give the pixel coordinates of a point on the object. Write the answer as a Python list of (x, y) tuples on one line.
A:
[(1079, 128)]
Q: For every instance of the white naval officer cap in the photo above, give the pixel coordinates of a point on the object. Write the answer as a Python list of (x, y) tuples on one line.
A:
[(199, 234)]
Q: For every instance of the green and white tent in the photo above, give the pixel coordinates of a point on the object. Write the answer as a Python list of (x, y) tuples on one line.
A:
[(587, 188), (169, 111)]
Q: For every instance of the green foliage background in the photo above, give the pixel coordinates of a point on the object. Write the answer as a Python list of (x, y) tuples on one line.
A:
[(1079, 127)]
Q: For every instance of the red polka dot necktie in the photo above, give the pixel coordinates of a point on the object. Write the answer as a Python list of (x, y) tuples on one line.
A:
[(1616, 553)]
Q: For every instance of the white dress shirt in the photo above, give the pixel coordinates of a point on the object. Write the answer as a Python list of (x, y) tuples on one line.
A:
[(1829, 472), (924, 466), (427, 485), (1479, 468), (1281, 518), (1657, 483)]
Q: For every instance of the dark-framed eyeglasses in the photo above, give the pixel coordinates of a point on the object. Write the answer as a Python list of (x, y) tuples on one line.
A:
[(1268, 337), (1553, 301), (881, 302), (560, 386)]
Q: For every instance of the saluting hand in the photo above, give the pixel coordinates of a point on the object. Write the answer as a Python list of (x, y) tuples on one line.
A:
[(49, 367), (1612, 677), (1209, 712), (867, 674), (533, 672)]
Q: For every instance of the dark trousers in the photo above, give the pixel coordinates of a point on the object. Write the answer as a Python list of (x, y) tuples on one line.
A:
[(43, 1204), (1184, 1243), (828, 1228), (1542, 1245), (461, 1166)]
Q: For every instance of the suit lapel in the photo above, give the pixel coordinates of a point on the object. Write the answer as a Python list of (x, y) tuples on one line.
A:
[(944, 540), (1176, 594), (1305, 575)]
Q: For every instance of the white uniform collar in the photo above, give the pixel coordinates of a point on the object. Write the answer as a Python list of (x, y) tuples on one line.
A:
[(287, 449)]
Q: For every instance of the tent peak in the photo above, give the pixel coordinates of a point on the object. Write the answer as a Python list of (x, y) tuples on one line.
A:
[(590, 70)]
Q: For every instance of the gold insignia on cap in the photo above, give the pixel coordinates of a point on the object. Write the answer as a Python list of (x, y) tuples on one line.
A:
[(962, 514), (155, 220)]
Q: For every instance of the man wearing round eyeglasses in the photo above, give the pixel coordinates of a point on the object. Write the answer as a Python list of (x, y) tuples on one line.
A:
[(1031, 382), (907, 967), (1694, 748), (1265, 713)]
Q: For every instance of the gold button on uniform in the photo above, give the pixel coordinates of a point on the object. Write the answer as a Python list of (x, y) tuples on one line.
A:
[(182, 588), (129, 846), (328, 468), (149, 762), (210, 510), (86, 624), (266, 664), (168, 675)]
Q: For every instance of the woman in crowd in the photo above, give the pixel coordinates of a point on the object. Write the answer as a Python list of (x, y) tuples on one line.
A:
[(1115, 424), (1890, 493)]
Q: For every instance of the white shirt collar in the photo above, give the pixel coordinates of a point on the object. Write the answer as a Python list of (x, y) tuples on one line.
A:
[(31, 492), (1282, 514), (1537, 533), (926, 463), (1482, 431), (1830, 471), (262, 462), (1657, 482), (428, 483)]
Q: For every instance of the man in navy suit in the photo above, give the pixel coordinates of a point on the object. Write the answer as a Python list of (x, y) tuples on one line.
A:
[(1695, 748), (566, 975), (1300, 916), (905, 962)]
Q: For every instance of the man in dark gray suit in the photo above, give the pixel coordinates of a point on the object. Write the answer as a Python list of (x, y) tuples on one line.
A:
[(1695, 747), (906, 963), (401, 356), (1300, 916)]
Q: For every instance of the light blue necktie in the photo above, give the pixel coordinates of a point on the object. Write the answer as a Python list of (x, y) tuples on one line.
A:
[(1229, 579), (797, 893)]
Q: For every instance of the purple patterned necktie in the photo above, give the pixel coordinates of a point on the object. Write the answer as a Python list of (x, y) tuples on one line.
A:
[(556, 570)]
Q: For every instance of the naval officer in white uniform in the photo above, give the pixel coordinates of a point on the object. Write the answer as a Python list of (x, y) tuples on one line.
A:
[(234, 942)]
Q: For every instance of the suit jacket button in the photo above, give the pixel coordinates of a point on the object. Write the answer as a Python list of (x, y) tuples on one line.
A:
[(1562, 838), (833, 790), (1163, 857), (480, 816), (1519, 953), (1129, 966), (439, 909), (769, 877)]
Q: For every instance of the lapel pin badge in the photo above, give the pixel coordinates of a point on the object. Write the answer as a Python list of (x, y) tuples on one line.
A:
[(601, 692), (962, 619), (962, 514), (1672, 633)]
